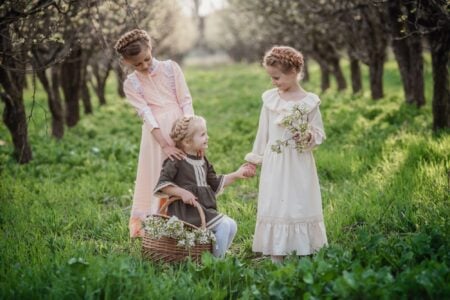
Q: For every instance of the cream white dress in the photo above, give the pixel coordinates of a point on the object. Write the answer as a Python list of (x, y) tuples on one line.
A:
[(289, 216)]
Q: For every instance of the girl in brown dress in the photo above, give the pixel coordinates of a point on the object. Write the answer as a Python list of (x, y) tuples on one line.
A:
[(194, 180)]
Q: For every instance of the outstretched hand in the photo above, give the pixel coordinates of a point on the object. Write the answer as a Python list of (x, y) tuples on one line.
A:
[(247, 170)]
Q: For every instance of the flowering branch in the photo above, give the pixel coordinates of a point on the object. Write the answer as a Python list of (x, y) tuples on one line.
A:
[(297, 124)]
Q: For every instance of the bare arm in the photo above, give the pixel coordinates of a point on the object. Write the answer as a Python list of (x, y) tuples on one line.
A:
[(241, 173), (185, 195)]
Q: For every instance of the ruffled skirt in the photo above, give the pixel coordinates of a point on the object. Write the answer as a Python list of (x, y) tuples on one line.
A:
[(290, 217)]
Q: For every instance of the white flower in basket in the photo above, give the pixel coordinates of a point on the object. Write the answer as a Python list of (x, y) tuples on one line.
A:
[(158, 227)]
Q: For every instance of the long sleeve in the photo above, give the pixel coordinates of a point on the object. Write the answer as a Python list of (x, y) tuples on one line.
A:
[(262, 136), (316, 127), (215, 181), (168, 172), (182, 91), (136, 99)]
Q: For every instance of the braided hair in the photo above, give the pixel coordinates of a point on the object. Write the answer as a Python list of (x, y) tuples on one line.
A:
[(184, 129), (132, 43), (287, 58)]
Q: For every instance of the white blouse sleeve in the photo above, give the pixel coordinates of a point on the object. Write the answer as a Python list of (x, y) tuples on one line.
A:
[(316, 128), (259, 146), (136, 99)]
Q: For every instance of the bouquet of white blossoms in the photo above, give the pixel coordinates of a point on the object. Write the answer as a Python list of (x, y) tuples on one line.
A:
[(296, 124), (158, 227)]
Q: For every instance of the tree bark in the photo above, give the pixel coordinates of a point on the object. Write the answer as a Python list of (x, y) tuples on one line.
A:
[(70, 75), (355, 70), (85, 96), (120, 75), (408, 53), (305, 71), (324, 76), (376, 77), (415, 78), (12, 79), (101, 70), (15, 120), (54, 104), (338, 74), (440, 48)]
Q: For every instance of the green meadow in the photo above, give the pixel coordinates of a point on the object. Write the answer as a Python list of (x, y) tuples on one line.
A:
[(384, 179)]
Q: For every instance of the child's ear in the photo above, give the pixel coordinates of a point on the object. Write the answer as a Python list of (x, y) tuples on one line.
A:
[(186, 143)]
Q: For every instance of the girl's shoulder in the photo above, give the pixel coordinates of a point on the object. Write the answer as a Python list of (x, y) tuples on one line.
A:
[(269, 98), (269, 93), (172, 164), (311, 100)]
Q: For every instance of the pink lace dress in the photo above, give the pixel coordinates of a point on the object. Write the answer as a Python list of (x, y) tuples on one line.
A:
[(160, 97)]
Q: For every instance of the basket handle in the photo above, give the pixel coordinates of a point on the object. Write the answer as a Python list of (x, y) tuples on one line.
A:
[(199, 209)]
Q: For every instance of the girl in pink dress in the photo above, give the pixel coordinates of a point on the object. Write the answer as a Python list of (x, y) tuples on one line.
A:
[(159, 93)]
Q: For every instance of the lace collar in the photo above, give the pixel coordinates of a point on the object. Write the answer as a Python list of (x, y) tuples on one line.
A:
[(273, 101)]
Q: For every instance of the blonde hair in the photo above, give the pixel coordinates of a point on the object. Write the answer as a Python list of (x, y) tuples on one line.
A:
[(284, 57), (184, 129), (132, 43)]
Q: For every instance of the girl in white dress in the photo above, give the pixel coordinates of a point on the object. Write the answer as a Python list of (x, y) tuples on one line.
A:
[(289, 217)]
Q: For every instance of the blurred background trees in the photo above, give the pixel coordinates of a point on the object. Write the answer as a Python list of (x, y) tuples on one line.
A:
[(67, 46)]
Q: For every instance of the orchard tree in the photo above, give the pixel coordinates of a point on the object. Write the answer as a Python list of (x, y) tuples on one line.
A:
[(19, 37)]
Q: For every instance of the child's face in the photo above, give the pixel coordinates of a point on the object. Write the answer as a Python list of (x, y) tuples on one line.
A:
[(142, 61), (283, 81), (199, 141)]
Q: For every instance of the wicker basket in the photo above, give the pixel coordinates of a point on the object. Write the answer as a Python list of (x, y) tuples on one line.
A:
[(165, 249)]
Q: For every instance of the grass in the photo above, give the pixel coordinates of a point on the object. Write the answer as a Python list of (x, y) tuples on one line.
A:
[(384, 181)]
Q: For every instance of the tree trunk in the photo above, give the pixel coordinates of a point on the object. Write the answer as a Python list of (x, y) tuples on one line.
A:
[(324, 76), (440, 48), (338, 74), (416, 70), (58, 107), (85, 96), (101, 72), (376, 77), (12, 79), (101, 92), (54, 103), (70, 81), (408, 54), (120, 79), (305, 71), (355, 70), (15, 120)]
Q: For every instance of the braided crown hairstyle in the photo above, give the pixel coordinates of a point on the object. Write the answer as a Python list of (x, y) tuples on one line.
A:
[(132, 43), (284, 57), (184, 129)]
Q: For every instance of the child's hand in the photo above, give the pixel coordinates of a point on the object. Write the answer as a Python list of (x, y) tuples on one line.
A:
[(250, 169), (302, 138), (246, 171), (189, 198)]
